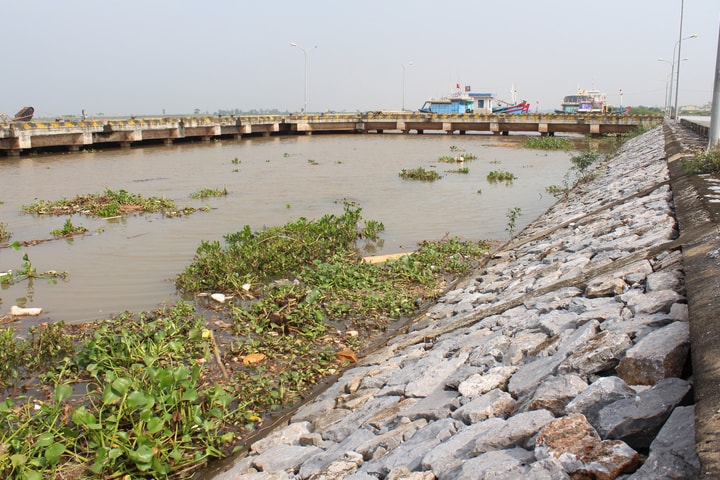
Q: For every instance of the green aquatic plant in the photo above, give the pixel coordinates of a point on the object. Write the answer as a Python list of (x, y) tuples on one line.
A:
[(548, 143), (5, 234), (500, 176), (69, 229), (420, 174), (110, 203), (209, 192)]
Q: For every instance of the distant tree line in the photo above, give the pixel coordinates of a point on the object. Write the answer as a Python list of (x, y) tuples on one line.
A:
[(643, 110)]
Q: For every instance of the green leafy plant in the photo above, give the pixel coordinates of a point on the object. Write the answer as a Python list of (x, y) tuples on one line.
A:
[(111, 203), (420, 174), (582, 162), (158, 395), (209, 192), (500, 176), (548, 143), (27, 270), (703, 162), (69, 229), (512, 215), (5, 234)]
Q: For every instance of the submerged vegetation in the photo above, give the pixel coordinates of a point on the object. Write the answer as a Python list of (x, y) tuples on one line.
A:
[(5, 234), (420, 174), (110, 203), (69, 229), (159, 394), (209, 192), (500, 176), (548, 143)]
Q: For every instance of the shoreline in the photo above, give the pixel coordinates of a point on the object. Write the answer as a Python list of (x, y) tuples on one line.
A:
[(583, 315)]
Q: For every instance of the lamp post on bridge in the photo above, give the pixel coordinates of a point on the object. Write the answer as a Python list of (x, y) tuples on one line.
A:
[(293, 44), (409, 64)]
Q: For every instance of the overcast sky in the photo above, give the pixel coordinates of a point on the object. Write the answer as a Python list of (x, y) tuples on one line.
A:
[(174, 56)]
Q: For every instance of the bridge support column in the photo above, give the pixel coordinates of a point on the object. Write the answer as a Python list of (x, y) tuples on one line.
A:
[(495, 128), (124, 144), (595, 130), (168, 141), (543, 128)]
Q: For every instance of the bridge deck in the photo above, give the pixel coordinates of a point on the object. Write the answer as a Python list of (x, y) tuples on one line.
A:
[(18, 137)]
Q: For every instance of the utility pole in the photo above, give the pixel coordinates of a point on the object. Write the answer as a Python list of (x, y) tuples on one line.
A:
[(714, 133)]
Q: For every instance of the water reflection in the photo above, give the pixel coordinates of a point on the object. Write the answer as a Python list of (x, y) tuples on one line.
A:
[(130, 263)]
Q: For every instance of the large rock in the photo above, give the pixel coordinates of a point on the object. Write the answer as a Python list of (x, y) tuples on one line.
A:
[(600, 393), (576, 444), (637, 420), (672, 453), (555, 392), (658, 355), (494, 403), (601, 353), (500, 464)]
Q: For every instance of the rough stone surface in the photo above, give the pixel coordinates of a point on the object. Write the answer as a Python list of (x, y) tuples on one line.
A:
[(576, 444), (660, 354)]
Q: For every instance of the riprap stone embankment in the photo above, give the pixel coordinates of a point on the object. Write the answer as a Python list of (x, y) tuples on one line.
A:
[(565, 356)]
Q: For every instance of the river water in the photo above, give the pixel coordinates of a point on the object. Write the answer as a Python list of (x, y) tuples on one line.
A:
[(131, 263)]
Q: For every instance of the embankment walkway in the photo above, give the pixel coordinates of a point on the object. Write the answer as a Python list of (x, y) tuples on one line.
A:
[(567, 355)]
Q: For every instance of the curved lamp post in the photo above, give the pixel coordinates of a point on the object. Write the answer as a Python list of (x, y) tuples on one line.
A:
[(293, 44), (678, 44)]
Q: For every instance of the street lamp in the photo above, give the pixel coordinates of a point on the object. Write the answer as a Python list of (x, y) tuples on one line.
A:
[(293, 44), (409, 64), (669, 89), (678, 44)]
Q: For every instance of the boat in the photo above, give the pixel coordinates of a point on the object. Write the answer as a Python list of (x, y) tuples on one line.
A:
[(465, 101), (24, 115), (457, 102), (584, 101), (512, 107)]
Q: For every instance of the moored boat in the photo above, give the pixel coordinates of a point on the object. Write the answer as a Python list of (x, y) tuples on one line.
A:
[(465, 101), (584, 101), (24, 115)]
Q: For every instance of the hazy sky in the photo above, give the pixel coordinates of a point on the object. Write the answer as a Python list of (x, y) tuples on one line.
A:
[(175, 56)]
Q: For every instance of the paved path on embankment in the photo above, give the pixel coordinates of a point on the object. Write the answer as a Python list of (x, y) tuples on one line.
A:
[(565, 355)]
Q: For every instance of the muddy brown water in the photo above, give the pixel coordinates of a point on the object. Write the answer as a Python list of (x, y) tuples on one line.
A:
[(129, 264)]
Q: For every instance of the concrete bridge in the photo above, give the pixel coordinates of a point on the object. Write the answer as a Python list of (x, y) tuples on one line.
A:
[(73, 135)]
